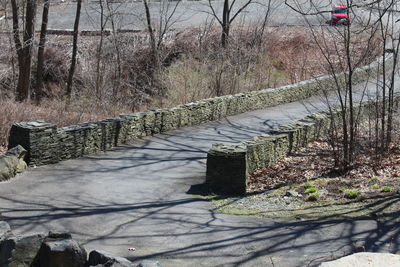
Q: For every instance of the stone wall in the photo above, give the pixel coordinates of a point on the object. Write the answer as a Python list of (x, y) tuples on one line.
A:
[(228, 165), (46, 143)]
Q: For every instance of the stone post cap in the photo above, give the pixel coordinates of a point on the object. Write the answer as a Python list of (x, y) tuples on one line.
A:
[(227, 149), (35, 125)]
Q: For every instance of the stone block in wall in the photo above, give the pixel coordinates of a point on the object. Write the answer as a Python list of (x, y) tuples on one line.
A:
[(124, 128), (157, 127), (110, 130), (221, 109), (232, 108), (226, 169), (296, 133), (255, 155), (198, 112), (191, 113), (135, 125), (217, 107), (267, 97), (38, 138), (171, 119), (205, 111), (152, 122), (281, 145), (242, 103), (79, 140), (185, 116)]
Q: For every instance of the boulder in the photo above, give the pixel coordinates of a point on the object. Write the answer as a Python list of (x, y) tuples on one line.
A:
[(102, 258), (365, 259), (6, 245), (20, 251), (58, 249), (12, 162), (5, 229)]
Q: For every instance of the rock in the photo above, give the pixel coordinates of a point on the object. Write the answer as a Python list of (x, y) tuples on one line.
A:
[(60, 250), (24, 249), (5, 229), (365, 259), (292, 193), (12, 162), (6, 245), (105, 259), (148, 263), (59, 235)]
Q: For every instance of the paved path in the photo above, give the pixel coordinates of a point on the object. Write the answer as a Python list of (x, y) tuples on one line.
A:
[(136, 196)]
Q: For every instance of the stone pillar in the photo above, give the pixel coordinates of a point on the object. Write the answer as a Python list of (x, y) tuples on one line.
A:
[(38, 138), (226, 169)]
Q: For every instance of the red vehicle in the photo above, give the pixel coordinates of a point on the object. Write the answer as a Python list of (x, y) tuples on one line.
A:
[(340, 15)]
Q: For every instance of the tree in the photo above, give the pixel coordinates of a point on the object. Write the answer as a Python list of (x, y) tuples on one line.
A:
[(153, 45), (74, 51), (165, 22), (40, 57), (345, 134), (24, 48), (103, 22), (228, 16)]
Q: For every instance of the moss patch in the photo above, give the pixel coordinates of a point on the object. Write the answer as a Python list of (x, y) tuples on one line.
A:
[(274, 205)]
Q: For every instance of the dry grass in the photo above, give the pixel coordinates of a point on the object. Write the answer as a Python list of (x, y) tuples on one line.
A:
[(194, 67)]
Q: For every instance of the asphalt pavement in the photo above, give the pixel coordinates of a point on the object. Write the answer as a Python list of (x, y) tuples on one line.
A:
[(130, 15), (138, 196)]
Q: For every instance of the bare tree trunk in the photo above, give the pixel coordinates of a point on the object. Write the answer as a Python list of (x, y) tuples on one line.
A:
[(351, 142), (153, 44), (42, 42), (11, 48), (24, 50), (391, 96), (227, 19), (74, 50), (116, 85), (225, 24), (265, 21), (99, 51)]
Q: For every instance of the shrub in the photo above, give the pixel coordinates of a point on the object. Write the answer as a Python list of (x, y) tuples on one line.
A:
[(373, 179), (387, 189), (352, 193), (310, 190), (376, 186)]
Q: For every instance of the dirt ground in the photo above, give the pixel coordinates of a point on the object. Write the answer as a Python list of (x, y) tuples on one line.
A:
[(306, 185)]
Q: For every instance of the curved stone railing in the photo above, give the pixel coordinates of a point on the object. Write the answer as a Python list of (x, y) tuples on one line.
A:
[(228, 165), (46, 143)]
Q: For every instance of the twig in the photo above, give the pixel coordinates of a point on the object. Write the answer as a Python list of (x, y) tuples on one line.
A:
[(272, 261)]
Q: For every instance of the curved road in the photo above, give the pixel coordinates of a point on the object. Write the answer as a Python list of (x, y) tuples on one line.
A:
[(137, 196), (130, 15)]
